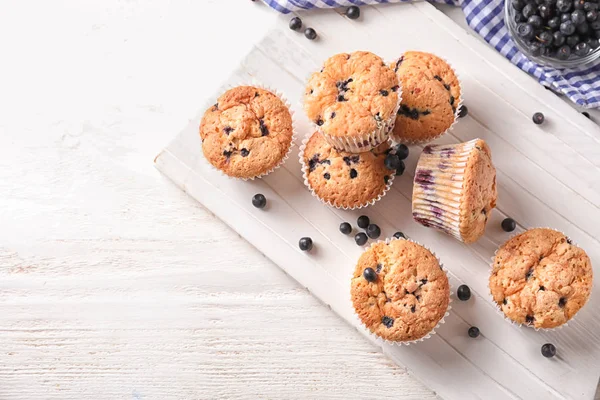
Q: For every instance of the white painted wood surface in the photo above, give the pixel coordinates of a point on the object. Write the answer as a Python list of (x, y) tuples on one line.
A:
[(114, 284), (536, 186)]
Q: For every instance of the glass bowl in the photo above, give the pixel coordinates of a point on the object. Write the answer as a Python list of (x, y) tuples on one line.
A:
[(574, 61)]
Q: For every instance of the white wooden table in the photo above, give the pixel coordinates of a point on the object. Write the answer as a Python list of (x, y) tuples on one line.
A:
[(113, 283)]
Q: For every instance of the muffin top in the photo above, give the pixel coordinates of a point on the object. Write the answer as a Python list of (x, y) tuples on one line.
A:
[(430, 94), (354, 94), (540, 278), (247, 132), (345, 180), (409, 294)]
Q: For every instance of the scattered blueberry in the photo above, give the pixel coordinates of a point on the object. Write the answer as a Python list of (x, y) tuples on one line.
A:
[(392, 161), (295, 24), (345, 228), (402, 151), (373, 231), (586, 114), (538, 118), (548, 350), (259, 200), (399, 235), (363, 221), (353, 12), (361, 238), (310, 33), (305, 244), (400, 169), (508, 225), (463, 293), (473, 332), (370, 275), (463, 112)]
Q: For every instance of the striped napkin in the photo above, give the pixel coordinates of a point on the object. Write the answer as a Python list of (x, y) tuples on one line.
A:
[(486, 17)]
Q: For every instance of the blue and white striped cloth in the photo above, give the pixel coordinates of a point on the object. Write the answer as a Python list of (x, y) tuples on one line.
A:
[(486, 17)]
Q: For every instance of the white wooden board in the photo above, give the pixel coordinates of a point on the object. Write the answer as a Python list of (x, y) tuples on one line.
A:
[(547, 176)]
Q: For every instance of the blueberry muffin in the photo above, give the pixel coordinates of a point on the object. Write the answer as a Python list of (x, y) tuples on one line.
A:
[(430, 95), (540, 278), (247, 132), (455, 189), (342, 179), (399, 290), (353, 101)]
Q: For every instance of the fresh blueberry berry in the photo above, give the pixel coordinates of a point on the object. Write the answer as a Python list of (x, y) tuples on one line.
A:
[(579, 4), (363, 222), (508, 225), (361, 238), (559, 39), (520, 18), (564, 17), (525, 31), (536, 21), (295, 24), (310, 33), (529, 10), (586, 114), (370, 275), (548, 350), (591, 16), (564, 6), (400, 169), (554, 23), (387, 321), (399, 235), (473, 332), (582, 49), (259, 201), (463, 112), (573, 40), (463, 293), (567, 28), (583, 29), (373, 231), (589, 6), (564, 52), (392, 161), (535, 49), (593, 43), (578, 17), (545, 38), (518, 4), (538, 118), (305, 244), (353, 12), (402, 151), (345, 228), (545, 11)]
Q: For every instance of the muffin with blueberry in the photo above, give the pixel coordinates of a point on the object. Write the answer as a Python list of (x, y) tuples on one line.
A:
[(399, 290), (342, 179), (353, 101), (431, 94), (247, 132), (455, 189), (540, 278)]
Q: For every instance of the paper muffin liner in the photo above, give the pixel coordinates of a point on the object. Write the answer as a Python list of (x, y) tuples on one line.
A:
[(286, 102), (497, 306), (412, 142), (312, 191), (379, 339), (438, 204)]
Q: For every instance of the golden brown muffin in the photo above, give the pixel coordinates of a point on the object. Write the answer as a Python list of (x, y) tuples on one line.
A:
[(539, 278), (455, 189), (247, 133), (404, 295)]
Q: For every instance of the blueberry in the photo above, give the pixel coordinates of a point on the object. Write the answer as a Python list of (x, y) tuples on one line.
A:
[(525, 31), (518, 4), (567, 28), (548, 350), (538, 118), (578, 4), (463, 112), (520, 18), (509, 225), (345, 228), (310, 33), (363, 221), (392, 161), (545, 11), (545, 38), (554, 23), (473, 332), (565, 17), (591, 16), (353, 173), (399, 235), (596, 34), (295, 24), (370, 275), (586, 114), (583, 29), (593, 43), (589, 6), (387, 321), (402, 151), (536, 21), (563, 53), (564, 6), (361, 238), (373, 231), (535, 49), (578, 17), (595, 25), (400, 169), (573, 40), (582, 49), (353, 12), (529, 10), (463, 293), (259, 201), (559, 39), (305, 244)]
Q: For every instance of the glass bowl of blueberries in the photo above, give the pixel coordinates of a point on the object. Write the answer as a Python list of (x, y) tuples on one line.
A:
[(557, 33)]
